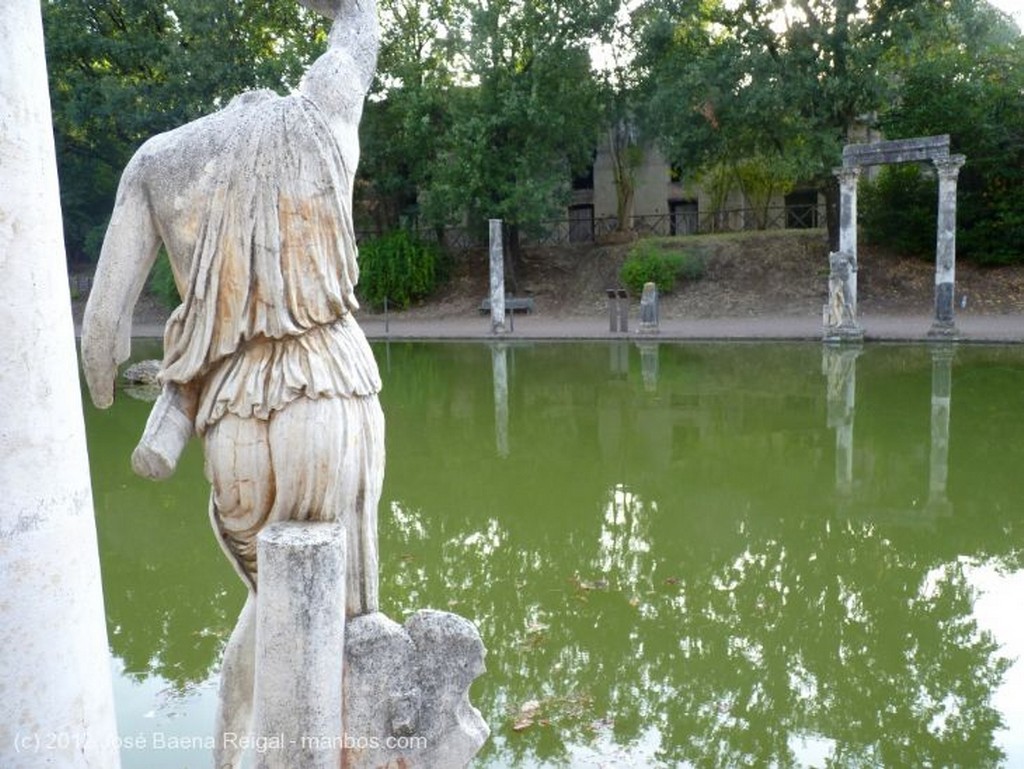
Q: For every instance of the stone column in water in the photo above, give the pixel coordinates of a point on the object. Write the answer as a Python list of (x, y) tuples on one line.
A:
[(945, 246), (56, 707), (497, 279)]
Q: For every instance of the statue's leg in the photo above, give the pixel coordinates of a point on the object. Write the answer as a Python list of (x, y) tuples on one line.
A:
[(237, 678), (328, 458)]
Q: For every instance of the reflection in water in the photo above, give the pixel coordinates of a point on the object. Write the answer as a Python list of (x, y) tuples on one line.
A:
[(499, 368), (839, 364), (661, 578), (942, 391)]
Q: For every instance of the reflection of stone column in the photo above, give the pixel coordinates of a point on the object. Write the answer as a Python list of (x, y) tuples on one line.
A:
[(839, 365), (840, 311), (942, 394), (499, 367), (945, 246), (619, 362), (57, 706), (649, 365), (497, 279)]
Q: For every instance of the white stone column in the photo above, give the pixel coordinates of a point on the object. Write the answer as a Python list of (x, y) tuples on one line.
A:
[(300, 641), (848, 178), (56, 701), (497, 253), (840, 311), (945, 246)]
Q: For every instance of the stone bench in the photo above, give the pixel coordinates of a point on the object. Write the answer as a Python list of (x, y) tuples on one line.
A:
[(512, 304)]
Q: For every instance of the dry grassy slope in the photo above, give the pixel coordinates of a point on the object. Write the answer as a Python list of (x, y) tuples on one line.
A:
[(749, 274), (758, 273)]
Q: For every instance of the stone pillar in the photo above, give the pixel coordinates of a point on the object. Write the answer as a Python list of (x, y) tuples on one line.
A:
[(497, 253), (839, 365), (56, 708), (649, 309), (499, 368), (300, 634), (945, 247), (942, 397), (848, 178), (840, 312)]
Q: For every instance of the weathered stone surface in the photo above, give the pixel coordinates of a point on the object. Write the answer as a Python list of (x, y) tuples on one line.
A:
[(497, 278), (649, 309), (925, 148), (56, 703), (300, 611), (840, 312), (407, 692), (142, 372)]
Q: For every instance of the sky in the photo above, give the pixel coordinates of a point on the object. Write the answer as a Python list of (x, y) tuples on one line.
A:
[(1013, 7)]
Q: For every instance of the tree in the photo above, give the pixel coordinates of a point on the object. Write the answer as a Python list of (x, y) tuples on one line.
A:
[(525, 119), (963, 74), (783, 82), (123, 70)]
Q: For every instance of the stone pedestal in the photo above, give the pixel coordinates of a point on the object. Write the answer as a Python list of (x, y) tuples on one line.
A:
[(56, 701)]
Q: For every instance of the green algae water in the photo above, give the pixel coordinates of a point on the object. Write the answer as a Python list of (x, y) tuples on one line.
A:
[(677, 554)]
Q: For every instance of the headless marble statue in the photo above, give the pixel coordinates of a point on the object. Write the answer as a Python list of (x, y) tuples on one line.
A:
[(263, 359)]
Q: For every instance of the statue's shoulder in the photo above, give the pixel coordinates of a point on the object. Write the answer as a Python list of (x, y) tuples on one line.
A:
[(205, 135)]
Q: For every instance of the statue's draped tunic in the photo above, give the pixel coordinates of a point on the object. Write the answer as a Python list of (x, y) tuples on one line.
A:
[(285, 381)]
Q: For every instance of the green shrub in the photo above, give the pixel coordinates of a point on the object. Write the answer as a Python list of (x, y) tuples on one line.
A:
[(660, 263), (898, 210), (400, 268), (161, 282)]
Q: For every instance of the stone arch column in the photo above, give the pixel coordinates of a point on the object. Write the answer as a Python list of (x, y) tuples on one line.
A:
[(839, 314), (948, 170)]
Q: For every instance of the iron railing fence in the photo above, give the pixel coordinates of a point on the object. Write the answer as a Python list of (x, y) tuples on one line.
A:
[(559, 232)]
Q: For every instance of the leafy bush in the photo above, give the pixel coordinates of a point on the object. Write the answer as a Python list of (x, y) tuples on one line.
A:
[(161, 282), (661, 263), (400, 268), (899, 210)]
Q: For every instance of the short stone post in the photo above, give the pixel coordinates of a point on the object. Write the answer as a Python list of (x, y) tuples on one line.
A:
[(300, 633), (945, 247), (57, 705), (497, 254), (649, 309)]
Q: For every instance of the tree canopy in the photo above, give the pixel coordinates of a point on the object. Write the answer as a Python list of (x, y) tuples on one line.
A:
[(489, 109)]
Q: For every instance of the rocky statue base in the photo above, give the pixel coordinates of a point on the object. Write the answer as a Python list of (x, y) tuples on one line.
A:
[(406, 692)]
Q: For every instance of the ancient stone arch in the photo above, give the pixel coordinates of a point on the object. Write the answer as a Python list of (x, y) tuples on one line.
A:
[(840, 311)]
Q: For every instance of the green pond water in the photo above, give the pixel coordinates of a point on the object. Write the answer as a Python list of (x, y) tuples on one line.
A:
[(677, 555)]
